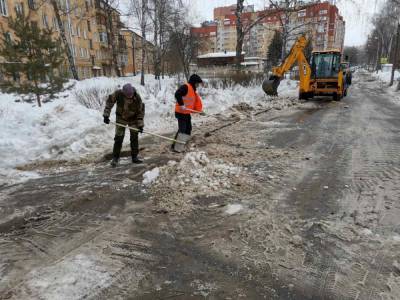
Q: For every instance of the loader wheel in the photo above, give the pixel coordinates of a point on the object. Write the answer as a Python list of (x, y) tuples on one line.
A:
[(304, 96), (337, 97)]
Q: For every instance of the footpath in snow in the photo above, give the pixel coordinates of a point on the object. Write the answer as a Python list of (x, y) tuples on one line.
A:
[(66, 129)]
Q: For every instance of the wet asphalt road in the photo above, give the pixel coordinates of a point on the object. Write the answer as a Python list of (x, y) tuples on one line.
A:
[(321, 223)]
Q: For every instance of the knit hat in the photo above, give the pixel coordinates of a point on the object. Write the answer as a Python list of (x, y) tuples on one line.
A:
[(128, 90)]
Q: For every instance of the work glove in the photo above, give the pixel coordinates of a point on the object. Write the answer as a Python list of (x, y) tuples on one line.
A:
[(106, 120), (140, 129)]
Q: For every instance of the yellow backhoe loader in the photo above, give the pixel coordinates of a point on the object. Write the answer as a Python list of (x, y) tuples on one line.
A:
[(321, 76)]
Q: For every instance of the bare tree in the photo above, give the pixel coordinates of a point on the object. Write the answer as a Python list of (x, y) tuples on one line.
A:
[(283, 9), (184, 43), (139, 9), (156, 10), (385, 36), (112, 24), (244, 24), (61, 11), (286, 11)]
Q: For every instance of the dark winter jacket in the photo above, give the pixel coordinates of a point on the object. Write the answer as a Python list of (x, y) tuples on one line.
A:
[(129, 111)]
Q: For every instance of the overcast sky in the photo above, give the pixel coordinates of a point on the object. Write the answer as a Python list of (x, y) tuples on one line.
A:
[(357, 14)]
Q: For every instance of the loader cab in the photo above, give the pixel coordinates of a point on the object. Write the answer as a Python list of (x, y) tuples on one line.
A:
[(325, 64)]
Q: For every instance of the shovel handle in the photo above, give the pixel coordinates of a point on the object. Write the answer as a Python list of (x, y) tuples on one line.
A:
[(192, 110), (150, 133)]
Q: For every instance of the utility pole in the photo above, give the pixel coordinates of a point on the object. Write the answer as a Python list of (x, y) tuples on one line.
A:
[(396, 51)]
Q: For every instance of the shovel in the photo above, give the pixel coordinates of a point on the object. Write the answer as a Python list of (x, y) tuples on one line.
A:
[(150, 133)]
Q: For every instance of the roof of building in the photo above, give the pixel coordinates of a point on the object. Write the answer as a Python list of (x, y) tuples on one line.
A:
[(250, 63), (219, 54), (253, 58)]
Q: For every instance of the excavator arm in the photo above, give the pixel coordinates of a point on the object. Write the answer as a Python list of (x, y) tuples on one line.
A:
[(270, 86)]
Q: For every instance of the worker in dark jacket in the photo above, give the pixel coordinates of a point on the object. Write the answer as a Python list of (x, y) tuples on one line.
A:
[(130, 111), (188, 102)]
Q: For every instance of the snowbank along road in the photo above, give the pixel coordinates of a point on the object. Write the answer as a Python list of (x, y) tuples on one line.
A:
[(293, 203)]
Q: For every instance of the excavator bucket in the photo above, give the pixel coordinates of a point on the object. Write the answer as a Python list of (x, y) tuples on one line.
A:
[(270, 86)]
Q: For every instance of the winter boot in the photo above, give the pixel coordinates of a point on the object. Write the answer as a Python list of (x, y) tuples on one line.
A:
[(136, 160), (114, 162), (117, 150)]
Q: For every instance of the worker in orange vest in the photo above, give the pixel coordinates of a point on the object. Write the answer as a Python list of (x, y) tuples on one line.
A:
[(187, 102)]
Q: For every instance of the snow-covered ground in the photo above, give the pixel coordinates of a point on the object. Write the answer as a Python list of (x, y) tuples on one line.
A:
[(65, 129), (384, 77)]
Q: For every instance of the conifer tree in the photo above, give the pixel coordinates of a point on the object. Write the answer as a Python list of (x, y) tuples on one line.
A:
[(275, 50), (32, 58)]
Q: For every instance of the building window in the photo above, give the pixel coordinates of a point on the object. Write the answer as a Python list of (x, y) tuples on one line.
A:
[(88, 26), (31, 4), (3, 7), (19, 9), (16, 76), (90, 44), (8, 37), (78, 31), (323, 12), (55, 24), (103, 37), (302, 14), (71, 28), (84, 34), (45, 21)]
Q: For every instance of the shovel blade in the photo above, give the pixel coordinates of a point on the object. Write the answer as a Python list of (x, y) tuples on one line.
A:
[(182, 139)]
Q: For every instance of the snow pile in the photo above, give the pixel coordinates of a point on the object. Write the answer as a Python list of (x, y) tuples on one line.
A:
[(195, 175), (150, 176), (385, 76), (66, 129), (196, 171)]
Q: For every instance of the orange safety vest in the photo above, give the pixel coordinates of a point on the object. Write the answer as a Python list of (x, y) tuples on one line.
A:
[(192, 101)]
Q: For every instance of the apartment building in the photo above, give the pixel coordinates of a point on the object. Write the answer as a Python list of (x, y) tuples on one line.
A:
[(207, 35), (132, 63), (320, 20), (324, 24), (90, 35), (226, 27)]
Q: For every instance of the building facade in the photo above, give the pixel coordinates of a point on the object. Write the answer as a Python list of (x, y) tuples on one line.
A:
[(321, 21), (207, 36), (94, 31)]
